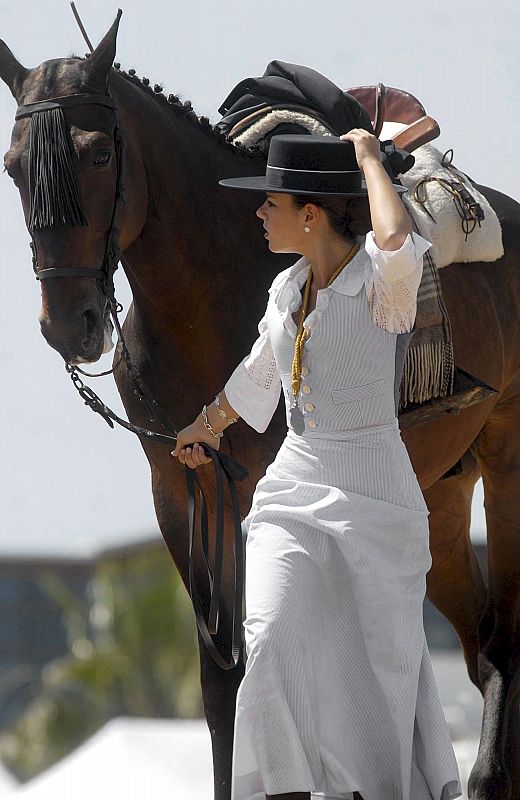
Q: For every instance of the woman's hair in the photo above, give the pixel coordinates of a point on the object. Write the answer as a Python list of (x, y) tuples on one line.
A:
[(348, 216)]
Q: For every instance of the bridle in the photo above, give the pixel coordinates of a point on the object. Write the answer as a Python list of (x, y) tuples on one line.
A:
[(111, 257), (224, 466)]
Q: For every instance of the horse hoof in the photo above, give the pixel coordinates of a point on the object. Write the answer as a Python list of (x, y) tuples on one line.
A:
[(492, 785)]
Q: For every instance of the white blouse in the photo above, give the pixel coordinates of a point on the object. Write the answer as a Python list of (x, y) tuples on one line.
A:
[(391, 279)]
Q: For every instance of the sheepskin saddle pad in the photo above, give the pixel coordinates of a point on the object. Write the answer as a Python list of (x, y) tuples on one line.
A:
[(434, 208)]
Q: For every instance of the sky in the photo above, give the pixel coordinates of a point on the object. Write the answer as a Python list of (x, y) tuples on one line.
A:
[(69, 484)]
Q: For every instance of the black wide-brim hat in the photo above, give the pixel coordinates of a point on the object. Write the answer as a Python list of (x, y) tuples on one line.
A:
[(310, 165)]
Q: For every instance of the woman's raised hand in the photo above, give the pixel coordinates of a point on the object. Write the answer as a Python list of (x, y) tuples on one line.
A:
[(390, 220), (187, 449), (365, 144)]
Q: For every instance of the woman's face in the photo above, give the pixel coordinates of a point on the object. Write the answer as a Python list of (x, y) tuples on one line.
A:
[(283, 223)]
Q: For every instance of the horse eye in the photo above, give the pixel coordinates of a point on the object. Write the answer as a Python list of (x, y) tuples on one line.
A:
[(102, 159)]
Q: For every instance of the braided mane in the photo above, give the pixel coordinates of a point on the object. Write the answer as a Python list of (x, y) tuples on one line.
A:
[(185, 109)]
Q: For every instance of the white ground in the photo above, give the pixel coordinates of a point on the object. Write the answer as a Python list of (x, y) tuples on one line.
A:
[(136, 759)]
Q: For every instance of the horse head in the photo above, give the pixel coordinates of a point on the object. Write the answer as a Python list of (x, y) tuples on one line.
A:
[(65, 159)]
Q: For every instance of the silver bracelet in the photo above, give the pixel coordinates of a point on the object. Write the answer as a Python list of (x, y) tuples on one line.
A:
[(208, 426), (221, 411)]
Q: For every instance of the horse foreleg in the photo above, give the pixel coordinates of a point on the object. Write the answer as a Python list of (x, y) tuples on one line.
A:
[(496, 773), (454, 583), (219, 690)]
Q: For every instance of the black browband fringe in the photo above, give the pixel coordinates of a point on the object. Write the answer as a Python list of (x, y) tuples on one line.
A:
[(53, 185)]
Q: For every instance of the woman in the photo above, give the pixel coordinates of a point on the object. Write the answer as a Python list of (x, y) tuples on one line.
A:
[(338, 699)]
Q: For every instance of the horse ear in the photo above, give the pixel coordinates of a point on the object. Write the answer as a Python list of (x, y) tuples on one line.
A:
[(100, 60), (11, 71)]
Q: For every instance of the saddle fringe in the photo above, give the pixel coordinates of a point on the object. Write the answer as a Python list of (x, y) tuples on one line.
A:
[(428, 372)]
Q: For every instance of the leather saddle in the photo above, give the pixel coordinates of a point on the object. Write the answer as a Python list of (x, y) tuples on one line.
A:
[(386, 104)]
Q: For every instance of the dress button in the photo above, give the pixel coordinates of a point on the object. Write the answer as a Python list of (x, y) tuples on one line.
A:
[(306, 389), (305, 371), (312, 423), (309, 406)]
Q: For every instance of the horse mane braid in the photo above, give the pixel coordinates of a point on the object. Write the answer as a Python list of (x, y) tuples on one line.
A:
[(185, 109), (53, 185)]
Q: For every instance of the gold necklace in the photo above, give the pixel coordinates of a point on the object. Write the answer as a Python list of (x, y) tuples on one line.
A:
[(301, 333)]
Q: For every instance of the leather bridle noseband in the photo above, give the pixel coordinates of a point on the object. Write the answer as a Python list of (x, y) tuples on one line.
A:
[(224, 465)]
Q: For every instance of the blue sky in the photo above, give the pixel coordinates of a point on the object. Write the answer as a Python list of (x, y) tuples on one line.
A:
[(67, 482)]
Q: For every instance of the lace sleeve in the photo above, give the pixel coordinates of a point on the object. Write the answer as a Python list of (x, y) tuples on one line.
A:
[(392, 281), (254, 387)]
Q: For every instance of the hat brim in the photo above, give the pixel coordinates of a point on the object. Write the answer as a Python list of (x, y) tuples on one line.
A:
[(260, 184)]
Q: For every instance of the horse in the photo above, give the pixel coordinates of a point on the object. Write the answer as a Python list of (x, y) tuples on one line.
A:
[(198, 268)]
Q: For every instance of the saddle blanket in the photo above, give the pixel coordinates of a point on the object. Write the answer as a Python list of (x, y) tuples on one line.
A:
[(450, 245)]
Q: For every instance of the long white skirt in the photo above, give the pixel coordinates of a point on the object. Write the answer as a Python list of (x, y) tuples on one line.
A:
[(339, 693)]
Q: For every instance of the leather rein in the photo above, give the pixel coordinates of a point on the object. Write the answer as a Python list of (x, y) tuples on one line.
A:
[(225, 467)]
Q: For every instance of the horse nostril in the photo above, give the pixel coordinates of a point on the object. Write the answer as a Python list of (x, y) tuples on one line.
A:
[(91, 322)]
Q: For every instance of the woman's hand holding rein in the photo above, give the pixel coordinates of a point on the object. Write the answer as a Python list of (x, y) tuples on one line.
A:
[(207, 426)]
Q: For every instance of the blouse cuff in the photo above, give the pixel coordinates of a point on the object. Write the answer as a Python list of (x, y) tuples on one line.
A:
[(254, 404)]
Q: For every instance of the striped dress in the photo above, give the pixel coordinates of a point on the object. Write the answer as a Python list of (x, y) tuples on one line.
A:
[(338, 694)]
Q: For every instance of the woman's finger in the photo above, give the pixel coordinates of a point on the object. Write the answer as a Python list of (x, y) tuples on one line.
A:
[(188, 458), (193, 458), (192, 455), (204, 459), (178, 447), (199, 456), (352, 134)]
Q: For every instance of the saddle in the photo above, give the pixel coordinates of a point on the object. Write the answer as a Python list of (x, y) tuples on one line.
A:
[(387, 104), (382, 104)]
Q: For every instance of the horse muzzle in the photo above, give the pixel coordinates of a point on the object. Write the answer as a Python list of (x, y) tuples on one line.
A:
[(81, 336)]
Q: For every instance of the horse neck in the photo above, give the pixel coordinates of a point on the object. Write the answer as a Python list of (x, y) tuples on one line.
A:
[(190, 225)]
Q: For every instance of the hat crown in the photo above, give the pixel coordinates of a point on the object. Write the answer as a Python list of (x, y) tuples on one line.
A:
[(308, 165), (312, 153)]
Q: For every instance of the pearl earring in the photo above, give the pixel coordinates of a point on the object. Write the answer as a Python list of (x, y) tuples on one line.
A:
[(307, 229)]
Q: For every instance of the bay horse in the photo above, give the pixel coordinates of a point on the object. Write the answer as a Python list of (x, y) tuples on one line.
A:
[(199, 268)]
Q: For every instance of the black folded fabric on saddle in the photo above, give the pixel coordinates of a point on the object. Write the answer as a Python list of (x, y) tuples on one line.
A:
[(292, 84), (284, 84)]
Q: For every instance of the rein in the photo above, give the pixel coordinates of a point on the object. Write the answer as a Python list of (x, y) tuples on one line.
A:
[(224, 466)]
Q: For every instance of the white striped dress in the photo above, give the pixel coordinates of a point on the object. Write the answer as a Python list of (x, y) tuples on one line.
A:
[(338, 694)]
